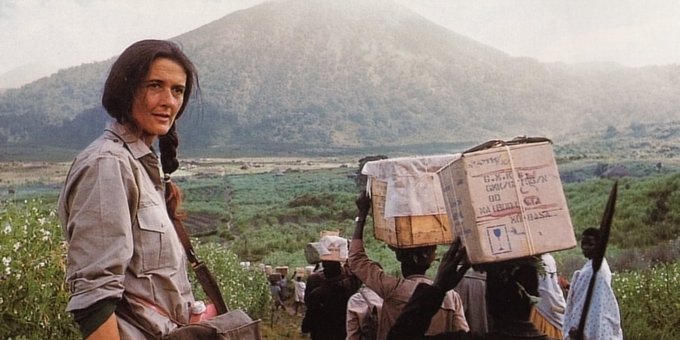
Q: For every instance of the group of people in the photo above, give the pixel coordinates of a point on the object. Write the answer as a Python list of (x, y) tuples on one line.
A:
[(127, 273), (514, 299), (278, 288)]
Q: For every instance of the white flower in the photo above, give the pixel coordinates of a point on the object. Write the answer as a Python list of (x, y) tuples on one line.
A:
[(46, 235), (6, 262), (8, 228), (41, 221), (17, 245)]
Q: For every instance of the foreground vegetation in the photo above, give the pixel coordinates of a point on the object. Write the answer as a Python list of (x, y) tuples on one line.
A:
[(33, 295), (268, 218)]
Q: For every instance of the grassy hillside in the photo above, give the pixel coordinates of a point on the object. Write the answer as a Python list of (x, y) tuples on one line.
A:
[(269, 217)]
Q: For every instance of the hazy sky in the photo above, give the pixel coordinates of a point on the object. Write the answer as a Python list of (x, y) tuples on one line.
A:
[(70, 32)]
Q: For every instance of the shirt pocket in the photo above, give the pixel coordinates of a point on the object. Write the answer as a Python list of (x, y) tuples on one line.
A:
[(155, 241)]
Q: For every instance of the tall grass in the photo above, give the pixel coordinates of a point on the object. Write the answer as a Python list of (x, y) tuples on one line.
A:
[(33, 295), (650, 302), (272, 218), (276, 216), (647, 210), (645, 227)]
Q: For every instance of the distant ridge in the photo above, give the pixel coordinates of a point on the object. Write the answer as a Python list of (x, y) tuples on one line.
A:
[(319, 76), (24, 74)]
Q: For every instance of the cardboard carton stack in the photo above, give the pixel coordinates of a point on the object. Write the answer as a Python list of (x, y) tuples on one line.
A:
[(506, 201)]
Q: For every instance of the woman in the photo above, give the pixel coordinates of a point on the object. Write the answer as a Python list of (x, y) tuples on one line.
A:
[(126, 266)]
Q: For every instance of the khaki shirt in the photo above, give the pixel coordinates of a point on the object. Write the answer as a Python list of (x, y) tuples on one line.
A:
[(396, 292), (122, 243)]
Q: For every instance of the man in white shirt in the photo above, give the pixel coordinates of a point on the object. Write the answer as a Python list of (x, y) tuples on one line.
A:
[(603, 319)]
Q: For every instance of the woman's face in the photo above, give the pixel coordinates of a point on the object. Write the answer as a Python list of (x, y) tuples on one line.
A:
[(158, 98)]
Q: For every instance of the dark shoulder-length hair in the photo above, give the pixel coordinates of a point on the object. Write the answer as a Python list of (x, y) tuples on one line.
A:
[(130, 69)]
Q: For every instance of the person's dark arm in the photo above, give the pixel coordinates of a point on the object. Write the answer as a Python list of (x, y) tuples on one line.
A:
[(91, 319), (350, 282), (452, 268), (368, 271), (314, 281), (363, 203)]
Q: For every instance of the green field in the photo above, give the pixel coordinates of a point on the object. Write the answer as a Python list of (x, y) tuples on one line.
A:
[(269, 217)]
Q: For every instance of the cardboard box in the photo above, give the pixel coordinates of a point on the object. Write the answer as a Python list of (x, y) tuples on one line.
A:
[(283, 270), (506, 201), (299, 272), (330, 247), (406, 231), (274, 277), (329, 233), (268, 269)]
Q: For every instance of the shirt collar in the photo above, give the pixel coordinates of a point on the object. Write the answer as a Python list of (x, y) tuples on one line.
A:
[(135, 144)]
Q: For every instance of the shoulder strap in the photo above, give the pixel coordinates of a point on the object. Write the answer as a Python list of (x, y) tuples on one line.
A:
[(369, 328), (205, 278), (368, 302)]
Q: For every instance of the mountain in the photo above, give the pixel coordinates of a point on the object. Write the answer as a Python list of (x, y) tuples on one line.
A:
[(301, 76), (24, 74)]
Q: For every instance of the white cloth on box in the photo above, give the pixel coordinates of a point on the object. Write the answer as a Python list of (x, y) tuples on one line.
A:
[(413, 187), (328, 242)]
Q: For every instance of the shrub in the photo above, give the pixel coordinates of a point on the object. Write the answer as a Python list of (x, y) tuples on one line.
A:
[(33, 296), (242, 287), (650, 302)]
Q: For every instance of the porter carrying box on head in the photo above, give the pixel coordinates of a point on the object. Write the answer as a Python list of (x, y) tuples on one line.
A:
[(408, 206), (505, 200)]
